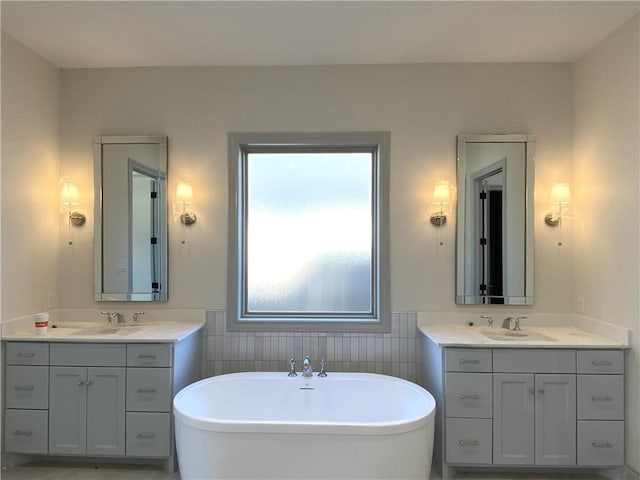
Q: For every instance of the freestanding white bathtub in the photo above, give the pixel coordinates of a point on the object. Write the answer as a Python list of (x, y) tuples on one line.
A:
[(270, 426)]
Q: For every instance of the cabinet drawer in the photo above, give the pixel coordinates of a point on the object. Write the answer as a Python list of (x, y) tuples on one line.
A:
[(88, 355), (468, 359), (600, 397), (469, 395), (148, 434), (24, 353), (600, 443), (468, 440), (149, 389), (523, 360), (152, 355), (25, 431), (600, 361), (27, 387)]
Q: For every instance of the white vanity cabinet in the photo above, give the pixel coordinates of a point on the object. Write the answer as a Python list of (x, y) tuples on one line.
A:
[(98, 399), (534, 413), (525, 407), (149, 396), (600, 407), (26, 397), (87, 399)]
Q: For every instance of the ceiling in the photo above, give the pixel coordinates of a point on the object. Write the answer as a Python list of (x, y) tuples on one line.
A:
[(79, 34)]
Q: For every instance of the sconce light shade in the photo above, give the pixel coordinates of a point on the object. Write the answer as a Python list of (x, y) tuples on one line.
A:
[(560, 198), (184, 204), (69, 202), (442, 201)]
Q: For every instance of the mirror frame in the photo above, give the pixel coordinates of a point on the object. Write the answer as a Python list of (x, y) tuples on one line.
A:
[(462, 298), (161, 294)]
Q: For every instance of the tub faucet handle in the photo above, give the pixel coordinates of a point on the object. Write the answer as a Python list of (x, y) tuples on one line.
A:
[(323, 368), (307, 371), (292, 368)]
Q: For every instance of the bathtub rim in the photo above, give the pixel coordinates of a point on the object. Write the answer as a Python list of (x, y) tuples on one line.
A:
[(305, 427)]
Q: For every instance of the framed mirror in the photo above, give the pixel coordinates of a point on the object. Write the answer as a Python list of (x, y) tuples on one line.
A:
[(130, 174), (494, 238)]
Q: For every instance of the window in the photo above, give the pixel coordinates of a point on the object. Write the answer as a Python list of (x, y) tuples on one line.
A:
[(309, 232)]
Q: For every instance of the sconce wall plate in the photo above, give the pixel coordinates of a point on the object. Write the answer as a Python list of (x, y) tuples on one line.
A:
[(77, 219), (552, 221), (438, 219), (188, 218)]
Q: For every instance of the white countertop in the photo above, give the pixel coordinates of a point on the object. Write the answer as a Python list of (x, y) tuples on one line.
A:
[(162, 332), (568, 336)]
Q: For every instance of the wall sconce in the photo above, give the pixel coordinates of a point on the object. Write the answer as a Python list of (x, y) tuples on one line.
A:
[(69, 202), (560, 197), (442, 201), (183, 204)]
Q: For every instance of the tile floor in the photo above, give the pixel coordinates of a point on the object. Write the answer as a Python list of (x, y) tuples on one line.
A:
[(50, 471), (68, 471)]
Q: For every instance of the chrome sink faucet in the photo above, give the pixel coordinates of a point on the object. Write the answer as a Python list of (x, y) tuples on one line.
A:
[(515, 321), (307, 371), (111, 316), (506, 323), (489, 319)]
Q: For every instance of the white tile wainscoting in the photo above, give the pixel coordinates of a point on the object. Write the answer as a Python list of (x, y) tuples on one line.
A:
[(395, 353)]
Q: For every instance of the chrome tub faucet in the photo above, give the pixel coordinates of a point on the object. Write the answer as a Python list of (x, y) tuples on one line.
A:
[(292, 368), (307, 371)]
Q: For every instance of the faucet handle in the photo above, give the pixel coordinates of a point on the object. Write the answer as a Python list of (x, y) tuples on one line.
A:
[(517, 322), (136, 315), (323, 368), (489, 319), (110, 315)]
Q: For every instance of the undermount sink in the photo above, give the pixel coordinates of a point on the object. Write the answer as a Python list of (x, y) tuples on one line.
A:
[(109, 330), (515, 335)]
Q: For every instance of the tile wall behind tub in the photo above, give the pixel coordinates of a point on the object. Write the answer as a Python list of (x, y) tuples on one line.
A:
[(395, 353)]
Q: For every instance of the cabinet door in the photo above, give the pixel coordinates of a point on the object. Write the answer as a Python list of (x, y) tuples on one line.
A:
[(555, 419), (105, 411), (513, 419), (67, 410)]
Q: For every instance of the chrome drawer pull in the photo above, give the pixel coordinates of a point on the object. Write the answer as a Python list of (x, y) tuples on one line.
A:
[(474, 396), (602, 398), (152, 356), (469, 442), (28, 388), (25, 355), (601, 363), (462, 360), (146, 390), (146, 435), (602, 445), (24, 433)]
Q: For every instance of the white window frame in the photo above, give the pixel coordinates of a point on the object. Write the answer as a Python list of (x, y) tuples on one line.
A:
[(239, 144)]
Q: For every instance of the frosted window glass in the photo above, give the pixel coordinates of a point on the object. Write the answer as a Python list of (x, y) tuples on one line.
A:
[(309, 232)]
